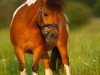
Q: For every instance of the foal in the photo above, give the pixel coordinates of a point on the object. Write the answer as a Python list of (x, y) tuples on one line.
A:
[(39, 26)]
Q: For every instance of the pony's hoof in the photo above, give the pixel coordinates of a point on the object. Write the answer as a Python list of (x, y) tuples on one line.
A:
[(23, 72), (34, 73)]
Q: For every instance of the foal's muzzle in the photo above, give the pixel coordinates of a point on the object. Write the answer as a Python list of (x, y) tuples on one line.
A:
[(48, 32), (52, 37)]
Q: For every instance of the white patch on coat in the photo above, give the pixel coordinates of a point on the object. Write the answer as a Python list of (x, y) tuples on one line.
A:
[(23, 72), (18, 9), (16, 12), (34, 73), (29, 2), (48, 72), (67, 69), (67, 20)]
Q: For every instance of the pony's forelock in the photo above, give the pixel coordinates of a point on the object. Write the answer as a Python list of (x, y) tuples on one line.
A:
[(55, 4)]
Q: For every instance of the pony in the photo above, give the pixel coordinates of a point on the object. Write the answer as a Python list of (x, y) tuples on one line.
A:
[(37, 27)]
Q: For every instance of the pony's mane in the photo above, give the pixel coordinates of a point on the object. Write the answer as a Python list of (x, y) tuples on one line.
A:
[(56, 4)]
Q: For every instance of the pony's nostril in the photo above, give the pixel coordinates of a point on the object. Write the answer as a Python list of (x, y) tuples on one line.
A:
[(54, 36)]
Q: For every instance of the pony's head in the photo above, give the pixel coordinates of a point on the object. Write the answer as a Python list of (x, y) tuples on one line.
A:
[(48, 22), (48, 19)]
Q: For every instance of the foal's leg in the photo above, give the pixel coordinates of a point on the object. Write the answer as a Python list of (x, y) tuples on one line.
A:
[(46, 62), (20, 55), (65, 59), (37, 55)]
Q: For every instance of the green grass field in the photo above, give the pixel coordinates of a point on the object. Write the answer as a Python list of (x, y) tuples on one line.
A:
[(84, 52)]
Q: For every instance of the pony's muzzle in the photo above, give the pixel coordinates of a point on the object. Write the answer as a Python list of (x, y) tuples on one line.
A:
[(52, 37)]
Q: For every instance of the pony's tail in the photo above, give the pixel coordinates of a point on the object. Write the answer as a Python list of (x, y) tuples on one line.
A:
[(56, 61)]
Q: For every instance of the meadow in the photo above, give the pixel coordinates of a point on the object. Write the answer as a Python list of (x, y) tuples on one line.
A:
[(84, 52)]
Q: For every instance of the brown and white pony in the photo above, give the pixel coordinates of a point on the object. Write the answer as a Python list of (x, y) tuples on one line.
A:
[(37, 27)]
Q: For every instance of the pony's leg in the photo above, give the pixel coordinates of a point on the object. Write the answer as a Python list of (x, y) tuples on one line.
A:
[(46, 63), (65, 59), (36, 57), (20, 56)]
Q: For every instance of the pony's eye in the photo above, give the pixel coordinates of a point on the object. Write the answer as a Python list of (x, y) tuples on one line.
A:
[(45, 14)]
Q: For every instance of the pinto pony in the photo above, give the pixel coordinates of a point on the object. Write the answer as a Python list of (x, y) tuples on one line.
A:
[(37, 27)]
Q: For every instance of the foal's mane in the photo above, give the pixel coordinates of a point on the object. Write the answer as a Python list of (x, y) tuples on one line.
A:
[(56, 4)]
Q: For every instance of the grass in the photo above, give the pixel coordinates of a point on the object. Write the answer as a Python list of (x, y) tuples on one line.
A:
[(84, 52), (84, 49)]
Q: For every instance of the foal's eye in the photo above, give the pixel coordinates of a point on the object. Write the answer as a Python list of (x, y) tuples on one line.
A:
[(45, 14)]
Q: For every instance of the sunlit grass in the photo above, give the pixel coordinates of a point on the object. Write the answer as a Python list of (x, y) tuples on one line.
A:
[(84, 52), (84, 49)]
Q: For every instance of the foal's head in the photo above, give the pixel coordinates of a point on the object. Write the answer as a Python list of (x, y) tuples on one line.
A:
[(48, 19), (48, 22)]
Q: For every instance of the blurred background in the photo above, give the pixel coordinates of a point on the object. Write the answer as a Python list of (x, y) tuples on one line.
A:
[(84, 38)]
